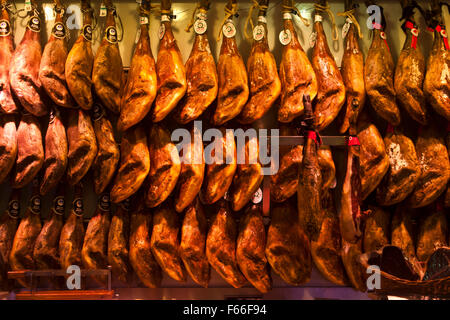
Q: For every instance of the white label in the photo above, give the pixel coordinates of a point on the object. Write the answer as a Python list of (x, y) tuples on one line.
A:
[(262, 19), (346, 28), (383, 35), (318, 18), (444, 33), (228, 29), (28, 5), (49, 13), (257, 197), (415, 32), (285, 37), (312, 39), (200, 26), (143, 20), (202, 16), (138, 35), (287, 16), (165, 17), (161, 31), (258, 32), (103, 10)]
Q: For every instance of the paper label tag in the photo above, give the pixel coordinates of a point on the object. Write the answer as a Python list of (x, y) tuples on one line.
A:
[(34, 24), (143, 20), (138, 35), (202, 16), (318, 18), (87, 32), (200, 26), (287, 16), (103, 10), (383, 35), (165, 17), (415, 32), (229, 29), (257, 197), (346, 28), (14, 209), (104, 204), (59, 205), (28, 6), (5, 28), (262, 19), (312, 39), (78, 207), (258, 33), (161, 31), (59, 30), (35, 205), (444, 33), (111, 35), (285, 37)]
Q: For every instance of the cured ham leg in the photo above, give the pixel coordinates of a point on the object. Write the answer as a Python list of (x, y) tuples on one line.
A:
[(80, 60), (82, 145), (432, 234), (436, 86), (170, 70), (53, 62), (379, 74), (24, 68), (7, 103), (118, 236), (250, 254), (107, 73), (21, 255), (410, 73), (377, 230), (165, 242), (265, 84), (233, 79), (221, 246), (8, 145), (72, 233), (141, 256), (296, 72), (140, 89), (193, 243), (134, 164), (201, 73), (46, 250), (30, 151), (8, 226), (108, 154), (55, 162)]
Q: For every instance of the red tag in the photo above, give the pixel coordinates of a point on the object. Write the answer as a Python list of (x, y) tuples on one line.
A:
[(314, 136), (444, 36), (353, 141), (414, 32)]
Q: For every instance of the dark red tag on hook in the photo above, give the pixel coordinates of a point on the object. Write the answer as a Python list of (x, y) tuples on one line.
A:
[(414, 32), (353, 141)]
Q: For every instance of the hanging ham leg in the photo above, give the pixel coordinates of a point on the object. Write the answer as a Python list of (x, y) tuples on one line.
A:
[(170, 69), (7, 103), (118, 236), (233, 78), (30, 151), (108, 154), (82, 145), (134, 164), (436, 86), (432, 233), (165, 242), (377, 230), (46, 254), (78, 68), (141, 256), (379, 73), (8, 226), (52, 68), (140, 89), (221, 246), (201, 75), (8, 145), (193, 243), (250, 254), (107, 73), (265, 85), (72, 233), (95, 244), (24, 68), (331, 89), (55, 162), (296, 73), (21, 255), (410, 73)]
